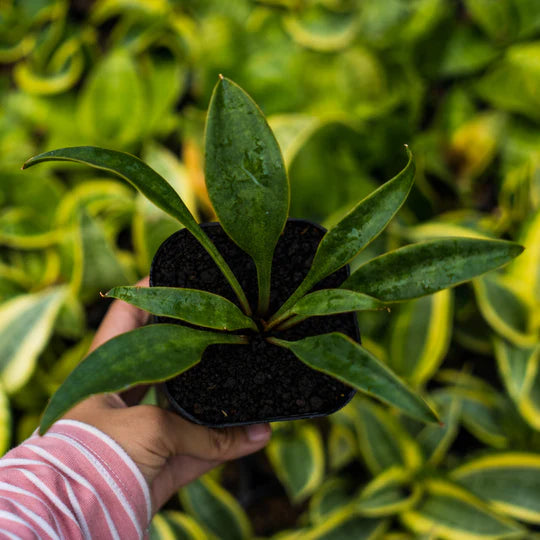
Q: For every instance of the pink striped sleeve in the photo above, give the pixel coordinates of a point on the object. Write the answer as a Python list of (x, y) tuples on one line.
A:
[(74, 482)]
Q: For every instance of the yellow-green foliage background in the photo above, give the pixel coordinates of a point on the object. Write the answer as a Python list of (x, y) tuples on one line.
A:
[(344, 83)]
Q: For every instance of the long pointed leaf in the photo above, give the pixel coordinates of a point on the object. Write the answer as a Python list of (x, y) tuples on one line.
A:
[(339, 356), (424, 268), (356, 230), (191, 305), (328, 302), (131, 358), (151, 185), (246, 177), (131, 169), (333, 301)]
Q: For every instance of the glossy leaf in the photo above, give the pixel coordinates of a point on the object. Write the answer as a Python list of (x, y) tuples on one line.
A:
[(505, 310), (427, 267), (216, 509), (131, 169), (420, 336), (356, 230), (339, 356), (509, 481), (451, 513), (191, 305), (246, 177), (26, 323), (130, 359), (151, 185), (333, 301), (298, 460)]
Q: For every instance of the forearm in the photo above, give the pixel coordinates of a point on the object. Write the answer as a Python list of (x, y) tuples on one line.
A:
[(74, 482)]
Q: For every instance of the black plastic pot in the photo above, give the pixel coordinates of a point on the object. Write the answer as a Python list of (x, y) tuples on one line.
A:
[(258, 382)]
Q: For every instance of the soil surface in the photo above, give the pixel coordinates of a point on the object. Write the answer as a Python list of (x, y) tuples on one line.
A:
[(258, 381)]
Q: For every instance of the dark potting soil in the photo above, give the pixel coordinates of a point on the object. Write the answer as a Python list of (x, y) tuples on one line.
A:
[(258, 381)]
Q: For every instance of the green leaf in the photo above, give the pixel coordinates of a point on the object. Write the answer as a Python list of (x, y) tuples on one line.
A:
[(96, 265), (5, 423), (513, 83), (509, 481), (388, 493), (427, 267), (183, 527), (498, 20), (382, 440), (342, 447), (190, 305), (356, 230), (26, 323), (130, 359), (481, 414), (216, 509), (333, 301), (321, 29), (420, 336), (298, 459), (131, 169), (151, 185), (112, 104), (64, 70), (518, 367), (246, 177), (332, 495), (345, 524), (506, 310), (339, 356), (526, 269), (450, 512), (436, 440)]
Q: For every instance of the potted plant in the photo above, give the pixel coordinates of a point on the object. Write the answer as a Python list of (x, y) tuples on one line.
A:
[(302, 315)]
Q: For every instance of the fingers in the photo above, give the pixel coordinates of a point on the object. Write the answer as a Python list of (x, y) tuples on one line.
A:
[(120, 318), (220, 444)]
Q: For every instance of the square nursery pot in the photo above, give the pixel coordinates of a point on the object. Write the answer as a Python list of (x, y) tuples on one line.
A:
[(257, 382)]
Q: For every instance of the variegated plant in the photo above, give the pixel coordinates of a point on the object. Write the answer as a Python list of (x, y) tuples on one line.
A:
[(248, 186)]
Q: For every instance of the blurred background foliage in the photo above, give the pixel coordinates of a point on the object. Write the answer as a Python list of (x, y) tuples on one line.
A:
[(345, 83)]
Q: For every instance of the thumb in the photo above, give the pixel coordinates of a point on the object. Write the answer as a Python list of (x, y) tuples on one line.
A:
[(216, 444)]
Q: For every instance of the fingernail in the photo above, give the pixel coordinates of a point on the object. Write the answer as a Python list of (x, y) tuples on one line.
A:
[(258, 432)]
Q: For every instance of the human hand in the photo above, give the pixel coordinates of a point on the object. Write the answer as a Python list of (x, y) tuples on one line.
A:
[(169, 451)]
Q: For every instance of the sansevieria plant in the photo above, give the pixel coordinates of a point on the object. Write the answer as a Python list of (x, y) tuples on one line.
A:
[(249, 189)]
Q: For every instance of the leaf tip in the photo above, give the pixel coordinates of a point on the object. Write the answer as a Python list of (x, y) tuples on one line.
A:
[(221, 77)]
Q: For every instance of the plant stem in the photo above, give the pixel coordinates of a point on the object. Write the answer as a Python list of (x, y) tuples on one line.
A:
[(263, 281), (207, 244), (302, 289)]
